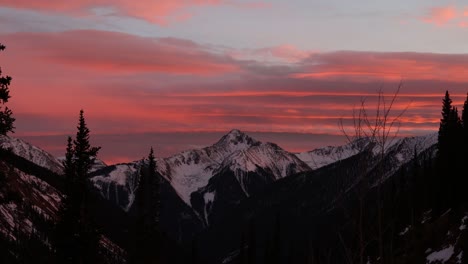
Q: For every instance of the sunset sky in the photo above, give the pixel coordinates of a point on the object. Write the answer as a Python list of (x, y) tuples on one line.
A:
[(178, 74)]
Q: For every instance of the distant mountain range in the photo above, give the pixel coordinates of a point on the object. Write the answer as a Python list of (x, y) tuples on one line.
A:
[(206, 190)]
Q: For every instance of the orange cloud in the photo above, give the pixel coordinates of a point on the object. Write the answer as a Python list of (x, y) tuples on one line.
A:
[(159, 12), (440, 15)]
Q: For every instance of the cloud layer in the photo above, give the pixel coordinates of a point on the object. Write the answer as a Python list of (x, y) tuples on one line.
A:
[(131, 85), (160, 12)]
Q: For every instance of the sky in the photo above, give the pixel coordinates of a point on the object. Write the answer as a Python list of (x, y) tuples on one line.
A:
[(178, 74)]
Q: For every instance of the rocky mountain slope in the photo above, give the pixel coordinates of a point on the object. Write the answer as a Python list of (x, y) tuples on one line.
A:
[(191, 170)]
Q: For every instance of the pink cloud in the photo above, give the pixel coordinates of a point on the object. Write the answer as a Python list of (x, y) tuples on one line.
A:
[(440, 15), (159, 12), (113, 52), (392, 66), (127, 84)]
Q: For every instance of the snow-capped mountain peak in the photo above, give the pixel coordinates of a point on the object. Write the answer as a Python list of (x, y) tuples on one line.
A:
[(236, 140), (191, 170)]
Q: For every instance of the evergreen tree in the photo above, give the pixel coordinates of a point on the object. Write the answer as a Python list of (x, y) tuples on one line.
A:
[(447, 183), (465, 117), (443, 136), (67, 229), (6, 115), (84, 153), (464, 148), (155, 192), (68, 164), (147, 220), (77, 239)]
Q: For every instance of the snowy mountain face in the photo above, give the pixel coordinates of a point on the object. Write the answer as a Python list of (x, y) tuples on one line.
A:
[(242, 174), (317, 198), (118, 183), (31, 153), (267, 156), (324, 156), (403, 150), (191, 170), (25, 196), (31, 197), (220, 176)]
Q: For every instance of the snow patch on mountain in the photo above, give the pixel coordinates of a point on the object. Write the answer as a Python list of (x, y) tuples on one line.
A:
[(30, 192), (31, 153), (117, 179), (403, 149), (440, 256), (192, 169), (119, 175), (321, 157), (264, 156)]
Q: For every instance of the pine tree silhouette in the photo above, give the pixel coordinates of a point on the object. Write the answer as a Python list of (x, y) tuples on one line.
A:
[(6, 115), (147, 234), (443, 136), (77, 238), (450, 138)]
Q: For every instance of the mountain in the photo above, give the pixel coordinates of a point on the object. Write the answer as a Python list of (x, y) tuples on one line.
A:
[(31, 193), (216, 178), (320, 157), (31, 153), (242, 174), (192, 173), (118, 184), (312, 206), (403, 149), (191, 170), (211, 196)]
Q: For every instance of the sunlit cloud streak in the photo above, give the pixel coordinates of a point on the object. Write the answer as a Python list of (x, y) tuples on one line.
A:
[(132, 85), (445, 15), (161, 12)]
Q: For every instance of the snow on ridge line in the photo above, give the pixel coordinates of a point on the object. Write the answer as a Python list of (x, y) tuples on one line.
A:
[(31, 153), (191, 170), (321, 157)]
